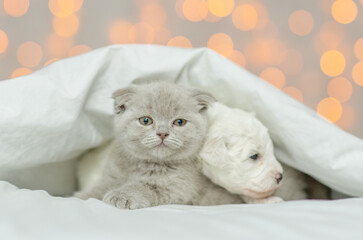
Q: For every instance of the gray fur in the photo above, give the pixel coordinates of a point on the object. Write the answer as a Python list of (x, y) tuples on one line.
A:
[(139, 172)]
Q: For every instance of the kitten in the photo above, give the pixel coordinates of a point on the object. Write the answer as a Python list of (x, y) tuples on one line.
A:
[(159, 130)]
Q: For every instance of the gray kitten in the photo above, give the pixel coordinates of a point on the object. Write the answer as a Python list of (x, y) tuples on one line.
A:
[(159, 130)]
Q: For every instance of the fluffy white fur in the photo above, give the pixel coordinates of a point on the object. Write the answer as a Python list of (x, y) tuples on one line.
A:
[(234, 137)]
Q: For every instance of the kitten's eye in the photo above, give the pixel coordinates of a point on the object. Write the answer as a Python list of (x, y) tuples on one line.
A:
[(180, 122), (254, 157), (145, 121)]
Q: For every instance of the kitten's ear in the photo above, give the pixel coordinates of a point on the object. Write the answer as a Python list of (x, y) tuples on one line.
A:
[(122, 96), (204, 99)]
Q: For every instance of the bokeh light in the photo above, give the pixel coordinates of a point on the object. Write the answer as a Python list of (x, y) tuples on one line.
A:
[(358, 49), (154, 14), (301, 22), (77, 5), (118, 32), (340, 88), (66, 26), (294, 93), (141, 33), (20, 72), (330, 36), (62, 8), (221, 43), (273, 76), (16, 8), (263, 15), (330, 108), (58, 46), (195, 10), (332, 63), (238, 58), (3, 41), (50, 61), (29, 54), (77, 50), (261, 52), (211, 18), (357, 73), (180, 41), (245, 17), (220, 8), (344, 11)]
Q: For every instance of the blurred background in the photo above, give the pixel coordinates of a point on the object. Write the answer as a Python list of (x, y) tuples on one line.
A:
[(311, 49)]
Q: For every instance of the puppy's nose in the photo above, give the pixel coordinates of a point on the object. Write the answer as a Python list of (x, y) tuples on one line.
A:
[(278, 177), (162, 135)]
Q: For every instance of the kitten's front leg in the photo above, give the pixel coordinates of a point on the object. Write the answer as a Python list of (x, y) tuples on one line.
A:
[(131, 196)]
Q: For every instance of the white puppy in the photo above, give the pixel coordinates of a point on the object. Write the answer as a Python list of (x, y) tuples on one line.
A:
[(238, 155)]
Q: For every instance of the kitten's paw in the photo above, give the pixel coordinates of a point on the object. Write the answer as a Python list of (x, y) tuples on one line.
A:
[(125, 200)]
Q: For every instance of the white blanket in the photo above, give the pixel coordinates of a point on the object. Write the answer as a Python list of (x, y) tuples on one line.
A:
[(55, 114)]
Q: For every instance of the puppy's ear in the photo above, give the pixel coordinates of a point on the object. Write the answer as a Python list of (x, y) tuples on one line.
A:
[(214, 151), (204, 99), (122, 97)]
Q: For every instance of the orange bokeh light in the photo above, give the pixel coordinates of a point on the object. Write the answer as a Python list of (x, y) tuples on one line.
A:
[(77, 5), (220, 8), (332, 63), (195, 10), (357, 73), (66, 26), (141, 33), (3, 41), (348, 118), (58, 46), (62, 8), (29, 54), (221, 43), (293, 62), (273, 76), (162, 35), (340, 88), (331, 35), (16, 8), (301, 22), (344, 11), (118, 32), (238, 58), (50, 61), (211, 18), (269, 31), (154, 14), (330, 108), (245, 17), (260, 52), (20, 72), (180, 41), (77, 50), (294, 93), (358, 49)]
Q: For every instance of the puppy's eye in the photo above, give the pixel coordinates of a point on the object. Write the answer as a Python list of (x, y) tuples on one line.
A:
[(254, 157), (145, 121), (180, 122)]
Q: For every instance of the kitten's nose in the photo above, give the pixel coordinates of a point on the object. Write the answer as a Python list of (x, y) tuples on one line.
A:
[(162, 135), (278, 177)]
